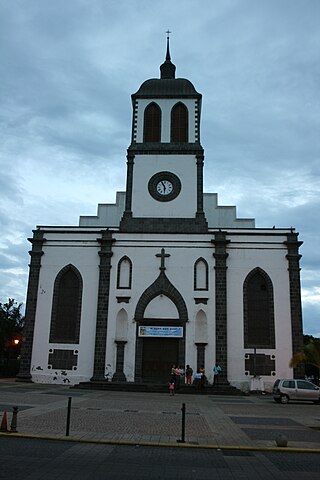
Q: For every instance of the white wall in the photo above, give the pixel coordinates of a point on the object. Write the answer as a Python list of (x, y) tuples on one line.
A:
[(269, 254), (246, 252), (81, 251), (145, 166)]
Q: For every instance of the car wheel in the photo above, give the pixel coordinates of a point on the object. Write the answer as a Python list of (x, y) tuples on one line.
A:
[(277, 400), (284, 399), (317, 402)]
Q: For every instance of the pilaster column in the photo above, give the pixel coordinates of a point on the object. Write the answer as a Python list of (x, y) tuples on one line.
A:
[(36, 253), (105, 254), (220, 242), (200, 161), (201, 357), (293, 258), (130, 163), (119, 375)]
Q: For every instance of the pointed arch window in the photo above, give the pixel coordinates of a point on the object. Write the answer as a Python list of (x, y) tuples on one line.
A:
[(179, 123), (124, 273), (201, 275), (258, 303), (152, 123), (66, 306)]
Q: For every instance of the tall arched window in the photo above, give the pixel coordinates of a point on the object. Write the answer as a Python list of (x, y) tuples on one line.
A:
[(201, 274), (66, 306), (124, 273), (179, 123), (152, 123), (258, 310)]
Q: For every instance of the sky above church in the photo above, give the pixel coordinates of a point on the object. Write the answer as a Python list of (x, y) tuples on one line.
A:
[(68, 69)]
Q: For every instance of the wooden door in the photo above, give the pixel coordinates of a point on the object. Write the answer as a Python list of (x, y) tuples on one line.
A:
[(159, 354)]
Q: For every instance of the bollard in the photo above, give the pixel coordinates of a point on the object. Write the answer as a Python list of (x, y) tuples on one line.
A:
[(68, 417), (13, 426), (183, 424), (281, 440)]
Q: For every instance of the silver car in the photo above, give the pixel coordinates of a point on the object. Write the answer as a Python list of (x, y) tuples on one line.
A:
[(285, 390)]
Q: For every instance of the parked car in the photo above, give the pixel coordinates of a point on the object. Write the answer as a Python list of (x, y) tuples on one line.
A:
[(285, 390)]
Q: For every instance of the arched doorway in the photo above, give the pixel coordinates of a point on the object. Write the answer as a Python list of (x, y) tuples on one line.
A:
[(161, 315)]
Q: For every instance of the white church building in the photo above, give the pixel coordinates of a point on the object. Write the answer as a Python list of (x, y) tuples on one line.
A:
[(165, 275)]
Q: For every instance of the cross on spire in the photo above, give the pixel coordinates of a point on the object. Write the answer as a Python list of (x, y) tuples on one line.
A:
[(163, 255), (167, 69)]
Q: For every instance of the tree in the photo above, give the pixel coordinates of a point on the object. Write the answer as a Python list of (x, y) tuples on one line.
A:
[(11, 325), (310, 355)]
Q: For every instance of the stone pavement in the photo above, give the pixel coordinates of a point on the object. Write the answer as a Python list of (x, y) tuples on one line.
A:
[(212, 421)]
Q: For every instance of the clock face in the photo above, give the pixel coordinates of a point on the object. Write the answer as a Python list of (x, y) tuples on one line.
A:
[(164, 186)]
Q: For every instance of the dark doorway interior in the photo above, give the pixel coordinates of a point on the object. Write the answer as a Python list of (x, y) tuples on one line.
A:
[(159, 354)]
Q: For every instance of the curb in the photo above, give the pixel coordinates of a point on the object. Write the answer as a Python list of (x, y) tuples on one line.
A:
[(244, 448)]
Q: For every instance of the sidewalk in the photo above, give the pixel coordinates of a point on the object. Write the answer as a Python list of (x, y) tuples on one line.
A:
[(249, 422)]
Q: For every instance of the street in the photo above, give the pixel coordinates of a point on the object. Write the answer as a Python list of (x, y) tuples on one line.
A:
[(38, 459)]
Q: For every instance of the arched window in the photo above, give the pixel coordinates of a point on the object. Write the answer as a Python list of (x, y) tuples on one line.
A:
[(201, 274), (152, 123), (124, 273), (179, 123), (66, 306), (258, 310)]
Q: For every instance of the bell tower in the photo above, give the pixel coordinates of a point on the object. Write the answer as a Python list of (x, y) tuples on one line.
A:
[(164, 190)]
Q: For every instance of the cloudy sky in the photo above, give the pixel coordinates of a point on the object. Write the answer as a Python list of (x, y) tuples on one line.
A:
[(68, 69)]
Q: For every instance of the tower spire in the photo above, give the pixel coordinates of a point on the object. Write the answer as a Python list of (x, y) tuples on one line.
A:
[(167, 69), (168, 58)]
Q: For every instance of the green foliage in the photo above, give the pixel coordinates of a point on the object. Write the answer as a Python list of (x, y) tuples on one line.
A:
[(11, 323), (309, 355)]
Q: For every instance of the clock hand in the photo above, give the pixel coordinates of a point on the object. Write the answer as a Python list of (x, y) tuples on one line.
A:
[(164, 187)]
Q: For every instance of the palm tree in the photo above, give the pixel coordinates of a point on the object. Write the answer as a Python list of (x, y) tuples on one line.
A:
[(309, 355)]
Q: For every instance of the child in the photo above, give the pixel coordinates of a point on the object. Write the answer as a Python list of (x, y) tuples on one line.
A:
[(189, 373), (171, 388)]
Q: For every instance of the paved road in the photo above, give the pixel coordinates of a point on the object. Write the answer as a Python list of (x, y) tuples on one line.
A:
[(134, 435), (253, 421), (36, 459)]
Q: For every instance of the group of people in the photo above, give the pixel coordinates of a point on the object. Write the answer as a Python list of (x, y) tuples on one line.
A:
[(177, 373), (199, 379)]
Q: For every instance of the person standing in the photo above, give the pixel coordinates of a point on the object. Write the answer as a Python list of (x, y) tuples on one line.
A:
[(189, 373), (203, 376), (216, 372), (177, 377)]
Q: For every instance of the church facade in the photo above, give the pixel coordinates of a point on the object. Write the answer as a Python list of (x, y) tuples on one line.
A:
[(165, 275)]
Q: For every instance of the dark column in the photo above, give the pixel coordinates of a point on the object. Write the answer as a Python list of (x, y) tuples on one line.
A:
[(103, 306), (138, 359), (201, 358), (221, 256), (200, 161), (130, 163), (31, 305), (293, 258), (119, 375)]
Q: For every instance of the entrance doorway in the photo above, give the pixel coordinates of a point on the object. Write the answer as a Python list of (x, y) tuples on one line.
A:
[(158, 356)]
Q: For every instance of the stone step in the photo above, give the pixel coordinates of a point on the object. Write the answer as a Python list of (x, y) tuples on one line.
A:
[(225, 389)]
